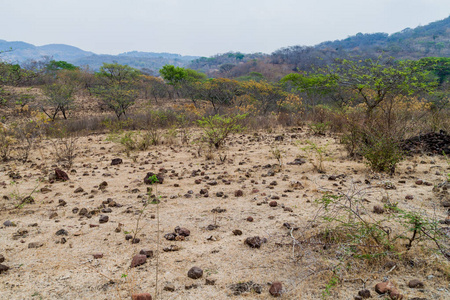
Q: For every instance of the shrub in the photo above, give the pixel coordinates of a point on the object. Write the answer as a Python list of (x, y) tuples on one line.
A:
[(217, 128)]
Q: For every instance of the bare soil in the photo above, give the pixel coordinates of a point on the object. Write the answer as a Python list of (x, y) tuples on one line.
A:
[(67, 270)]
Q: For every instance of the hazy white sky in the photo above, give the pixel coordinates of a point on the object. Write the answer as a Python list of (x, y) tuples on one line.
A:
[(206, 27)]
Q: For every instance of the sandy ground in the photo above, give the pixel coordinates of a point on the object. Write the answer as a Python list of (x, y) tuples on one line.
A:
[(68, 270)]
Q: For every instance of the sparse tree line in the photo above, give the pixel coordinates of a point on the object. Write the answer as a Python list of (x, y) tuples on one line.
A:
[(373, 103)]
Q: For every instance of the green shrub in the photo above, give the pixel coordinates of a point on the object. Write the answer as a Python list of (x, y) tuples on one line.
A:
[(217, 128)]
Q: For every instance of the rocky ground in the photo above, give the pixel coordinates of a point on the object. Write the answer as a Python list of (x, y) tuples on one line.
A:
[(226, 226)]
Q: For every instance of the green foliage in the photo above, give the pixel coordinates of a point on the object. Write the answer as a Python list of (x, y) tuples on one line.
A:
[(320, 128), (217, 128), (59, 98), (381, 152), (117, 98), (318, 154), (60, 65)]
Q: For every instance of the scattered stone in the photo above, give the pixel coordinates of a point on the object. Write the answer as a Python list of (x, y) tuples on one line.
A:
[(182, 231), (138, 260), (218, 210), (103, 219), (171, 248), (79, 190), (147, 253), (273, 203), (395, 294), (195, 273), (75, 210), (237, 232), (53, 215), (364, 294), (254, 242), (276, 289), (212, 227), (102, 186), (170, 287), (297, 161), (8, 223), (170, 236), (61, 202), (409, 197), (116, 161), (97, 255), (2, 258), (384, 287), (128, 237), (142, 296), (35, 245), (210, 281), (83, 212), (60, 175), (250, 219), (378, 209), (288, 209), (45, 190), (3, 268), (415, 283), (135, 241), (62, 232), (238, 193), (244, 287)]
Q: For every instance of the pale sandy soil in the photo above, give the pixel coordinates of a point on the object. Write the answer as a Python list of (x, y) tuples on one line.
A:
[(68, 271)]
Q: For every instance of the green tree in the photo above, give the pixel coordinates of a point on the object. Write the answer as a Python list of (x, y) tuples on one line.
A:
[(59, 99), (118, 87)]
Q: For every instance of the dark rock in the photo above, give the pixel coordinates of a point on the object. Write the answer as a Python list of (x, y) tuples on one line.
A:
[(219, 194), (128, 237), (106, 210), (250, 219), (273, 203), (79, 190), (237, 232), (141, 296), (8, 223), (146, 252), (97, 255), (116, 161), (3, 268), (62, 232), (395, 294), (75, 210), (135, 241), (279, 138), (409, 197), (170, 287), (378, 209), (138, 260), (415, 283), (254, 242), (61, 202), (195, 273), (218, 210), (60, 175), (364, 294), (35, 245), (384, 287), (53, 215), (210, 281), (238, 193), (170, 236), (2, 258), (83, 212), (276, 289), (102, 186), (103, 219)]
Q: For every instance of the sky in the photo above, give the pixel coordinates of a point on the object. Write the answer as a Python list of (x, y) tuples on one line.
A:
[(206, 27)]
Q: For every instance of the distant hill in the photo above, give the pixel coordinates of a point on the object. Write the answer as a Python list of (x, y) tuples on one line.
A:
[(429, 40), (150, 62)]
